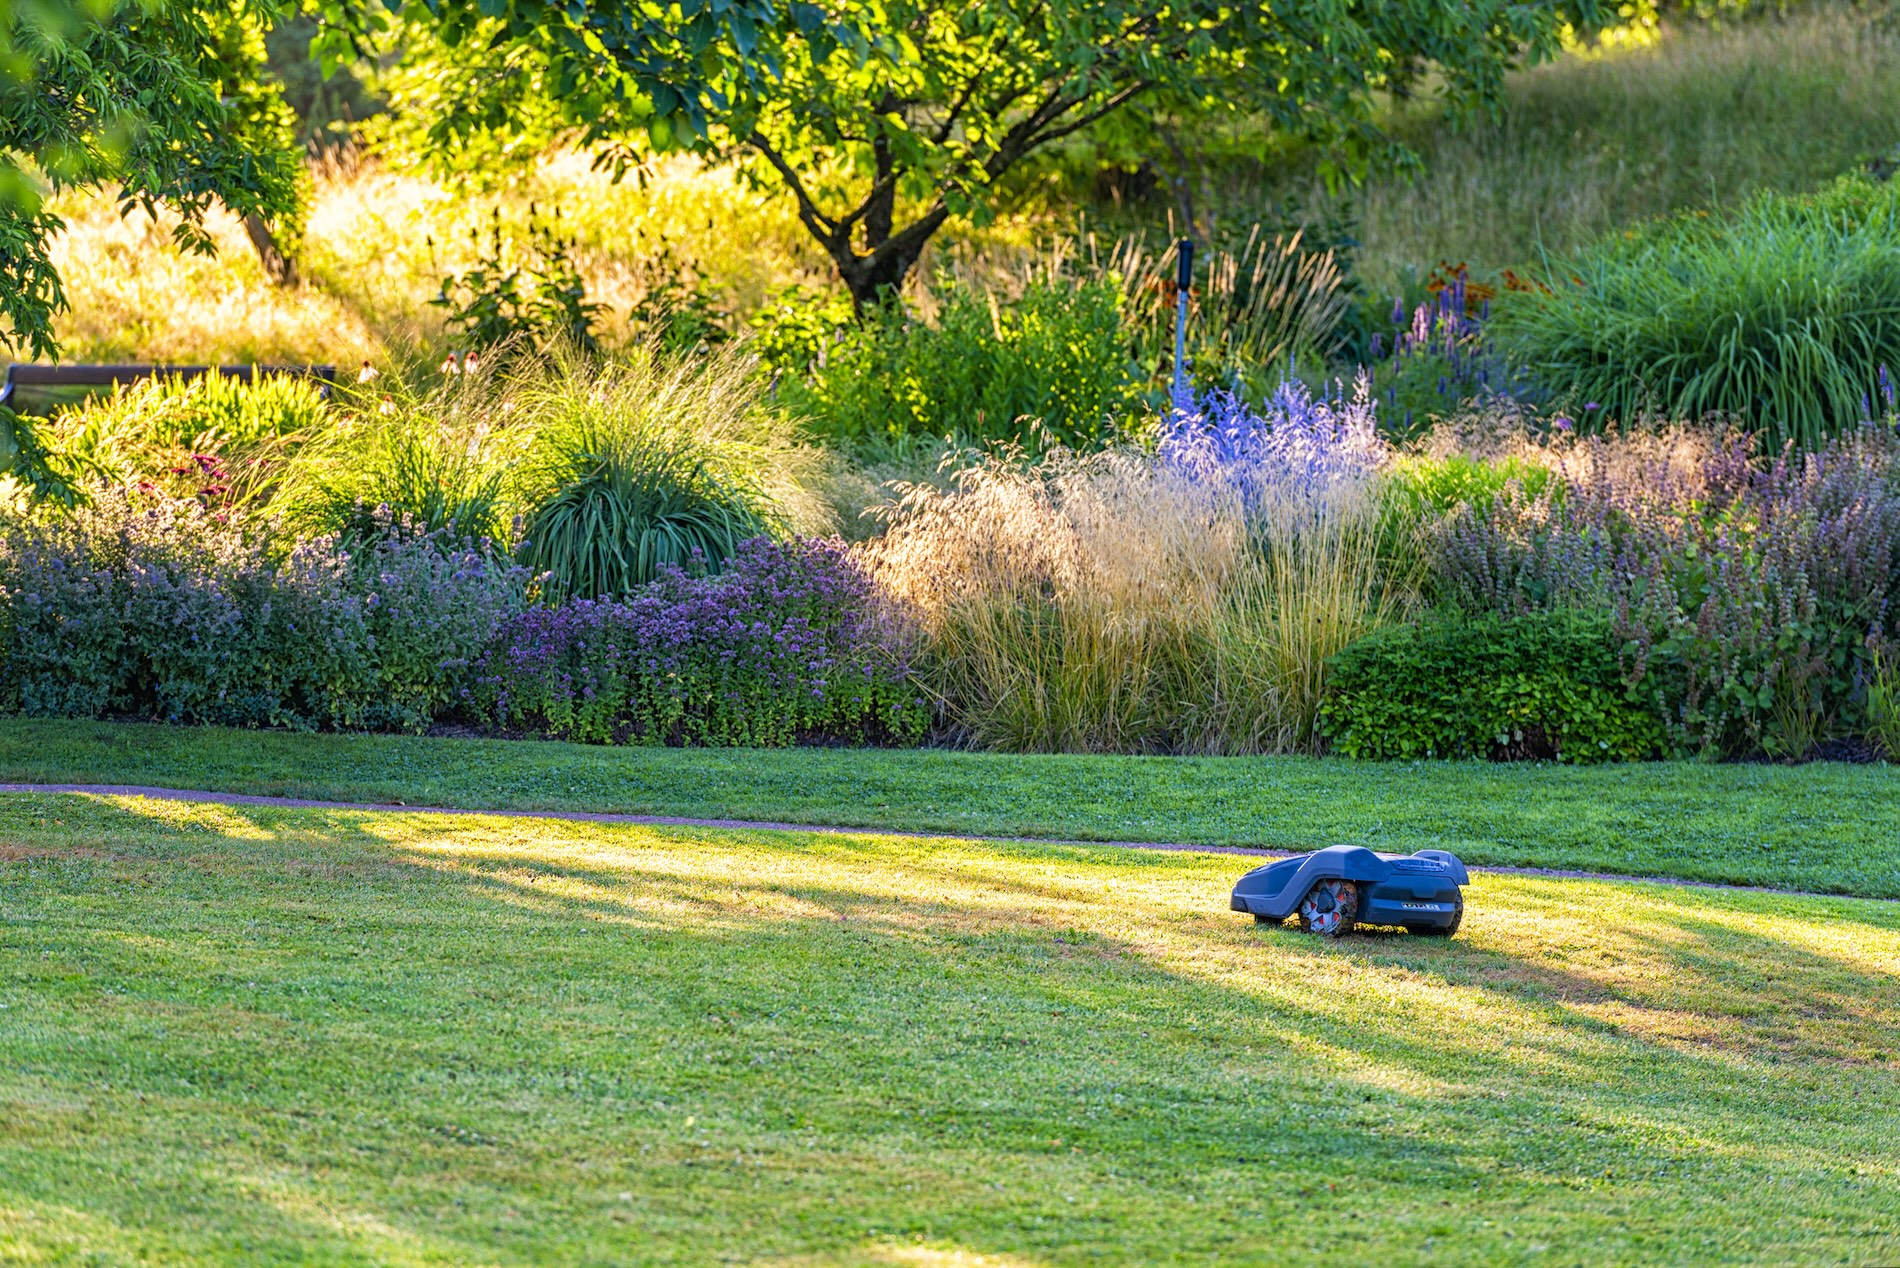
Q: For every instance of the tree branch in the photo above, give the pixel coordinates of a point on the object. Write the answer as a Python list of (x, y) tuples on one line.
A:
[(823, 227)]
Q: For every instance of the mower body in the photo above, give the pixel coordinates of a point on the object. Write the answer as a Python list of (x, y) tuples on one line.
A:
[(1418, 891)]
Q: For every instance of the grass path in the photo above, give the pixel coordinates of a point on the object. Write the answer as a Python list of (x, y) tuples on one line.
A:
[(250, 1034), (1824, 827), (206, 796)]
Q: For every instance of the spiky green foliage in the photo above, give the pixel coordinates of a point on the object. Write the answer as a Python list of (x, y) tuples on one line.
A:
[(624, 503), (1780, 314), (652, 461)]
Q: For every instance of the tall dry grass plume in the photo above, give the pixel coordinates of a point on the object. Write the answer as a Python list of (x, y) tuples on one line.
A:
[(1109, 603)]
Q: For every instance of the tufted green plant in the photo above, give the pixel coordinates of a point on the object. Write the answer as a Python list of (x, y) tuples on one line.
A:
[(1780, 314), (650, 461)]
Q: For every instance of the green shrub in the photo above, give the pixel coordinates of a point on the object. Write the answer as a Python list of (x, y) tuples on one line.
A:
[(1057, 356), (1781, 314), (214, 438), (522, 292), (1416, 492), (1416, 487), (1543, 685)]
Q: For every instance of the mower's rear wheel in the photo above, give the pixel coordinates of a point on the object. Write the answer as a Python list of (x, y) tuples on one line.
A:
[(1330, 908), (1443, 931)]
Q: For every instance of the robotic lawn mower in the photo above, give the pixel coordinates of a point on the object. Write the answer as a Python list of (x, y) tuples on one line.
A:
[(1342, 886)]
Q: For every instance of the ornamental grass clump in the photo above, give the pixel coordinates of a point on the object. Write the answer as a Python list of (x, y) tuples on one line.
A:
[(1180, 600), (791, 643), (441, 462), (1260, 302), (655, 461), (1780, 315)]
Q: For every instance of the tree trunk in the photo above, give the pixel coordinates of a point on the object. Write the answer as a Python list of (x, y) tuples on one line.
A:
[(278, 267), (876, 278)]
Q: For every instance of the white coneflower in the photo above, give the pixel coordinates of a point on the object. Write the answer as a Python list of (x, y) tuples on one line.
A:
[(367, 373), (388, 406), (448, 365), (471, 362)]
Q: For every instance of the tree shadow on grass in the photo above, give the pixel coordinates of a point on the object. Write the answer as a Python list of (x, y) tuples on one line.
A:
[(939, 1046)]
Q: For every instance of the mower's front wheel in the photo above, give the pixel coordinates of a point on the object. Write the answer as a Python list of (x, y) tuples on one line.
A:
[(1330, 908)]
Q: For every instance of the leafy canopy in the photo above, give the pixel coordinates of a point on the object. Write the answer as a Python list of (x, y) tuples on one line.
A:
[(156, 96), (884, 118)]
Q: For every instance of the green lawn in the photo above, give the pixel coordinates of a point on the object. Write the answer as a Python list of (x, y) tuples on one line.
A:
[(245, 1035), (1823, 827)]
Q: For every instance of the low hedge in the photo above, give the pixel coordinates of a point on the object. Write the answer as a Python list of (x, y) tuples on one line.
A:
[(1544, 685)]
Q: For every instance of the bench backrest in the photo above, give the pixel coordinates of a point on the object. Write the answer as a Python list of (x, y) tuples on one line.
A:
[(61, 384)]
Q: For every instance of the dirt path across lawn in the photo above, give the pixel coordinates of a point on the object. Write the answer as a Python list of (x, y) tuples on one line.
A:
[(765, 825)]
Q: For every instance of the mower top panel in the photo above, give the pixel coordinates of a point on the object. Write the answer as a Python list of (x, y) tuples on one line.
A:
[(1274, 890)]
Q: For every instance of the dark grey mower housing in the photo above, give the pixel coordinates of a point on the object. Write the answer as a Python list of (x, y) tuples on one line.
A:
[(1422, 892)]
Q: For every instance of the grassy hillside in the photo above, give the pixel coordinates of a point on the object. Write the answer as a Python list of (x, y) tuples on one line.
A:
[(1697, 118)]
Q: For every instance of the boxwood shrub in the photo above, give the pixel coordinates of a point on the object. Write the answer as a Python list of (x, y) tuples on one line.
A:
[(1544, 685)]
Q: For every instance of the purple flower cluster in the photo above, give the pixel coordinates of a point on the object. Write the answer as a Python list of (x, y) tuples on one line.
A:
[(1751, 597), (1442, 355), (790, 643), (1297, 443), (153, 606)]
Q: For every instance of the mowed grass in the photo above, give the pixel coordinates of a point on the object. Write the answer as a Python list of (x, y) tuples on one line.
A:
[(250, 1035), (1824, 827)]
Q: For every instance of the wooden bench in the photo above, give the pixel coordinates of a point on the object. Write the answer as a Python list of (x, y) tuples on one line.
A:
[(36, 389)]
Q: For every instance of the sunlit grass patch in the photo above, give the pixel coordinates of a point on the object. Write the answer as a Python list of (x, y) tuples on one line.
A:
[(136, 297), (1825, 827), (383, 1036)]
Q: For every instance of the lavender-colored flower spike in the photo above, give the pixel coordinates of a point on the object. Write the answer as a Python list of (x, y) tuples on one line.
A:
[(1295, 444)]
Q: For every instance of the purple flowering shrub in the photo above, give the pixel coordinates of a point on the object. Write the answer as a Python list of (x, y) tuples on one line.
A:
[(789, 643), (157, 607), (59, 626), (433, 604), (1752, 598)]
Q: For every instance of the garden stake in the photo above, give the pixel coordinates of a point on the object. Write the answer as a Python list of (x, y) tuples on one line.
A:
[(1184, 278)]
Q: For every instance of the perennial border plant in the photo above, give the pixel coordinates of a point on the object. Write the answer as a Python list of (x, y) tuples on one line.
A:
[(789, 644)]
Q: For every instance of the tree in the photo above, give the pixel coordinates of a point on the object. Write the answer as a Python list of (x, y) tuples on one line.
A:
[(885, 118), (132, 93)]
